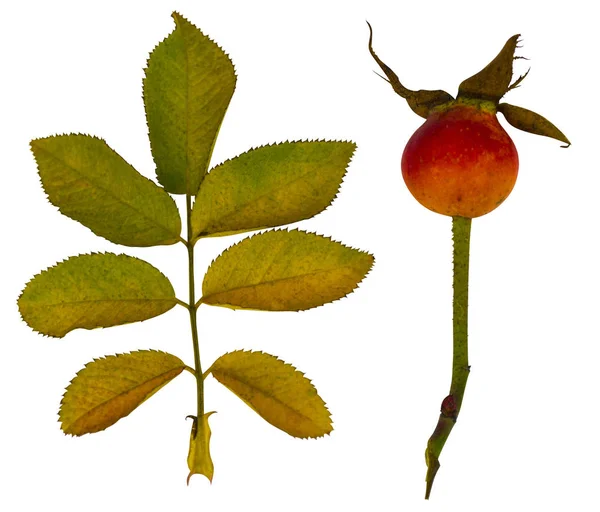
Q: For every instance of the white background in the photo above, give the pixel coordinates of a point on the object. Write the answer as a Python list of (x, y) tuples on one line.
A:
[(527, 435)]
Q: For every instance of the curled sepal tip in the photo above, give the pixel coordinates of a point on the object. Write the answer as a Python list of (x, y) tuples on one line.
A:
[(199, 460), (531, 122), (422, 101), (493, 81)]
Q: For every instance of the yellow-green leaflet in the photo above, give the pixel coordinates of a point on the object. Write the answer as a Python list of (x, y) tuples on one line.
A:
[(188, 85), (276, 390), (94, 290), (199, 459), (270, 186), (109, 388), (92, 184), (284, 271)]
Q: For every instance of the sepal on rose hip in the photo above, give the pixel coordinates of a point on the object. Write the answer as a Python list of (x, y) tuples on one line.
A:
[(493, 81), (529, 121), (421, 101), (484, 89)]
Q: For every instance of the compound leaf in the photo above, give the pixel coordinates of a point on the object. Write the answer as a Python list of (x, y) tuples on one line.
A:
[(89, 182), (284, 271), (270, 186), (278, 392), (187, 88), (94, 290), (109, 388)]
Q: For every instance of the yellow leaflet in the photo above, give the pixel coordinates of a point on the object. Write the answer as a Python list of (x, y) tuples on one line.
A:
[(276, 391), (94, 290), (108, 389), (92, 184), (188, 85), (199, 459), (270, 186), (284, 271)]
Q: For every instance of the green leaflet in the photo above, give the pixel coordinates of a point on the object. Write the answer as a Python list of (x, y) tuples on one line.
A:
[(94, 290), (278, 392), (92, 184), (270, 186), (188, 85), (109, 388), (284, 271)]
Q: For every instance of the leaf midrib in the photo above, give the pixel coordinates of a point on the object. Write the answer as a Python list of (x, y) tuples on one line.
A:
[(96, 301), (243, 205), (290, 278), (188, 189), (157, 377), (261, 391)]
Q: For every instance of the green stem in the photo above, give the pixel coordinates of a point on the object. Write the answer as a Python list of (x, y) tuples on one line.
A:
[(193, 308), (461, 234)]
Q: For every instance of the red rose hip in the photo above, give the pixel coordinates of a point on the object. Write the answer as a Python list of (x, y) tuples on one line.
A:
[(460, 162)]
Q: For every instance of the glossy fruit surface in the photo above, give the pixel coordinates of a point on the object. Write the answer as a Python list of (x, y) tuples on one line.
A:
[(460, 162)]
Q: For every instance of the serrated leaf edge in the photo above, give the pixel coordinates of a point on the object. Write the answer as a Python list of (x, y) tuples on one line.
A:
[(203, 33), (287, 141), (291, 231), (272, 144), (174, 15), (104, 358), (93, 253), (302, 374), (81, 134)]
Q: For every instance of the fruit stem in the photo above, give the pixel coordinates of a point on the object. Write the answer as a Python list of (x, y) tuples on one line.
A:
[(193, 308), (461, 234)]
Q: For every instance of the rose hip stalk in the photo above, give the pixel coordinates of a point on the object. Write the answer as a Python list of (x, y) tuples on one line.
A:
[(463, 164)]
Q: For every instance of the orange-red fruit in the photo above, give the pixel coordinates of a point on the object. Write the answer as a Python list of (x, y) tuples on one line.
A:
[(460, 162)]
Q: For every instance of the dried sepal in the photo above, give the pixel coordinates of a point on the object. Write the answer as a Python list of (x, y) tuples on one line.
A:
[(421, 101), (493, 81), (517, 82), (531, 122)]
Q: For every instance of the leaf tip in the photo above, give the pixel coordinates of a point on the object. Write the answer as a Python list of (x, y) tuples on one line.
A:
[(180, 20)]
